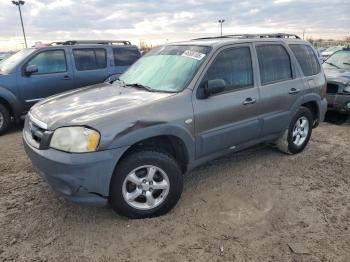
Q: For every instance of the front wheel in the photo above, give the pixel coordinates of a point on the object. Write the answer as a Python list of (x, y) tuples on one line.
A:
[(146, 184), (297, 136)]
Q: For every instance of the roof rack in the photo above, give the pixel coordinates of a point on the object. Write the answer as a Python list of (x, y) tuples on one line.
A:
[(92, 42), (244, 36)]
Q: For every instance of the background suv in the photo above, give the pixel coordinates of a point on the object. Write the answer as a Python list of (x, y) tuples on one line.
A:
[(36, 73), (181, 105)]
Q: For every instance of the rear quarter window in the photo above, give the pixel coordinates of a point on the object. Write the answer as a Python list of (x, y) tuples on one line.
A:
[(90, 59), (274, 63), (306, 58), (124, 56)]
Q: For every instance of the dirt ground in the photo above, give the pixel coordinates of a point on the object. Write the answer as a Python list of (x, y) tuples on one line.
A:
[(257, 205)]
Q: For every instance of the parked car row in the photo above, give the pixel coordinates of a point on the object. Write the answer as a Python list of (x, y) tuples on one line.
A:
[(130, 141), (36, 73)]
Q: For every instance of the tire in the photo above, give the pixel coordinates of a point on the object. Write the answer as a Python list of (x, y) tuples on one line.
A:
[(5, 119), (124, 185), (289, 143)]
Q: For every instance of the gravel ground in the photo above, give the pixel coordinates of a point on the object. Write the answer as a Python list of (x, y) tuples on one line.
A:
[(257, 205)]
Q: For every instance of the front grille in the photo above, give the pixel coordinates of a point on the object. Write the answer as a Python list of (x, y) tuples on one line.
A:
[(36, 132), (332, 88), (37, 136)]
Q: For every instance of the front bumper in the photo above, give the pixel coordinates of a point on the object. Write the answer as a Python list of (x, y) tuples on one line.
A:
[(80, 178), (339, 103)]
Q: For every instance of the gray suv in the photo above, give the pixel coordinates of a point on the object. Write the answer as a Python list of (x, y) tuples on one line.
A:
[(36, 73), (130, 142)]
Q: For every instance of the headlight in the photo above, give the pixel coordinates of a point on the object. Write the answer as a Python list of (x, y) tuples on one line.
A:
[(76, 139), (347, 89)]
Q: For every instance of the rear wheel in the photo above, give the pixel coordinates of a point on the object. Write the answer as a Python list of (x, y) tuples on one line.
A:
[(5, 119), (146, 184), (297, 136)]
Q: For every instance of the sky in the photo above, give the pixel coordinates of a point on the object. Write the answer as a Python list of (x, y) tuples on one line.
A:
[(160, 21)]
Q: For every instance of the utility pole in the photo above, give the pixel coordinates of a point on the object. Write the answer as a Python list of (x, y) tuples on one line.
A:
[(221, 21), (19, 3)]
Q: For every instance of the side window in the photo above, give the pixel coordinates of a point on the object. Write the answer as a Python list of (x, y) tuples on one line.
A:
[(306, 59), (124, 56), (90, 59), (274, 64), (234, 66), (49, 62)]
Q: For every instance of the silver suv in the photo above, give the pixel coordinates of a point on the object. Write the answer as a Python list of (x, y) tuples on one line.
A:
[(131, 141)]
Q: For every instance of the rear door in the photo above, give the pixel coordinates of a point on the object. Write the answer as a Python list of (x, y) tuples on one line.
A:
[(124, 56), (54, 76), (90, 65), (228, 119), (280, 86), (310, 67)]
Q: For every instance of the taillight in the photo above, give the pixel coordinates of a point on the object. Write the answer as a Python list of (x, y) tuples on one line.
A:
[(324, 88)]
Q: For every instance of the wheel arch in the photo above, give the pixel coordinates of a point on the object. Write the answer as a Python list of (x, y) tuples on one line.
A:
[(313, 103), (10, 101), (172, 139)]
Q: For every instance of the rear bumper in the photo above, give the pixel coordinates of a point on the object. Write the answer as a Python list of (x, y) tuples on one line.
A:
[(339, 103), (80, 178)]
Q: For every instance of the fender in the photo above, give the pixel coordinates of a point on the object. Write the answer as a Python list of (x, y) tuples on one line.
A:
[(9, 97), (142, 130), (311, 97)]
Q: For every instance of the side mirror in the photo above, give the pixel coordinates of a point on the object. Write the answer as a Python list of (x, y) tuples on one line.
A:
[(214, 87), (31, 69)]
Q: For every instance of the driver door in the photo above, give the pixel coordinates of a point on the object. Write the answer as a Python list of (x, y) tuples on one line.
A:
[(53, 76), (226, 120)]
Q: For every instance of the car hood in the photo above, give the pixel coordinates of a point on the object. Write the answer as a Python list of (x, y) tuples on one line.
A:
[(91, 105), (338, 75)]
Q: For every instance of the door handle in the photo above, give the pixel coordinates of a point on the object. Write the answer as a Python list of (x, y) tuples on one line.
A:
[(294, 91), (249, 101), (66, 78)]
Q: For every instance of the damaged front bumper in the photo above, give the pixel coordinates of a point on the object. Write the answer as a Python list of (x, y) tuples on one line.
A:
[(80, 178), (339, 103)]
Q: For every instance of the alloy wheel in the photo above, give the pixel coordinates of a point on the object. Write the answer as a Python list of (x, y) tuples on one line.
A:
[(301, 131), (146, 187)]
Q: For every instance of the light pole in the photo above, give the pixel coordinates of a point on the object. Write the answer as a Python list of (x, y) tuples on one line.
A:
[(19, 3), (221, 21)]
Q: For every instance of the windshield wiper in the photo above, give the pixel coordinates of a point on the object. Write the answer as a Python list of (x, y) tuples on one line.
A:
[(329, 63), (137, 85), (346, 63)]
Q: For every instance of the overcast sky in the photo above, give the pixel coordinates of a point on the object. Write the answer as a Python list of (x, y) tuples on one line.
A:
[(162, 20)]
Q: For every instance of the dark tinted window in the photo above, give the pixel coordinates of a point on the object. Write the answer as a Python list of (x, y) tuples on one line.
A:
[(90, 59), (234, 66), (49, 62), (124, 56), (274, 63), (307, 59)]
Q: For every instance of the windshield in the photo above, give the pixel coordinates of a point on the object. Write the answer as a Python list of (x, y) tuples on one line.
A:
[(11, 62), (339, 60), (166, 69), (332, 49)]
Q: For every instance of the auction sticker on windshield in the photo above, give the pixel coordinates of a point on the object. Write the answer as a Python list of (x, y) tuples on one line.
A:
[(193, 54)]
